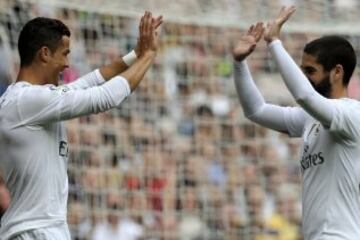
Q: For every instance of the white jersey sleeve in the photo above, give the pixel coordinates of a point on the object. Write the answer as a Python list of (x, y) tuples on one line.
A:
[(290, 120), (91, 79), (311, 101), (346, 121), (43, 104)]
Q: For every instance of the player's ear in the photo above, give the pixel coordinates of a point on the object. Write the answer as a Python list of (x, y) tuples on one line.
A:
[(44, 54), (337, 74)]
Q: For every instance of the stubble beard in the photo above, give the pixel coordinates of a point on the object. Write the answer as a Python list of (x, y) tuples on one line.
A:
[(323, 87)]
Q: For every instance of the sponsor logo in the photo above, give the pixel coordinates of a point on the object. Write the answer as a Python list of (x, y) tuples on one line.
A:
[(311, 160)]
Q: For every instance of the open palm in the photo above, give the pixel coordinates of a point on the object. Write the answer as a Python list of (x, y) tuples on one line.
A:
[(272, 30), (154, 22), (247, 43)]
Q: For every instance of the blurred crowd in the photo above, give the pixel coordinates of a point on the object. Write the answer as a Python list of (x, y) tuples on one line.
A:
[(177, 160)]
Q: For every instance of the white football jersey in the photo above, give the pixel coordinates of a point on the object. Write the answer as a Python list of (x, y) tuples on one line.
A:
[(34, 148), (330, 166), (330, 160)]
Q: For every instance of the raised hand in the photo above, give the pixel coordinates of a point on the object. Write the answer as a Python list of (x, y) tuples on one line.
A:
[(273, 28), (247, 43), (147, 33)]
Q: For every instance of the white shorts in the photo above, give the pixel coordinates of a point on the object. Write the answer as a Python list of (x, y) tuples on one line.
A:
[(60, 232)]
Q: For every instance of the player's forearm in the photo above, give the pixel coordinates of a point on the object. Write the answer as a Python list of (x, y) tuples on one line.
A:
[(136, 72), (294, 78), (91, 79), (104, 73), (254, 106), (249, 96), (299, 86), (113, 69), (119, 65)]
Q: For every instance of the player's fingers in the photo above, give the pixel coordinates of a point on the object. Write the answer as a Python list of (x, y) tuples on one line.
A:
[(260, 32), (256, 30), (151, 26), (147, 23), (250, 29), (141, 26), (290, 11), (287, 12), (158, 21), (268, 25), (258, 27), (281, 11)]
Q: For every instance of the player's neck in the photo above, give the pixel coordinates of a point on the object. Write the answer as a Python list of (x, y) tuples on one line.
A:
[(31, 75), (339, 93)]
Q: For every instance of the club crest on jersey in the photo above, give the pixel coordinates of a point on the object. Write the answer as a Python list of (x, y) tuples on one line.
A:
[(315, 129)]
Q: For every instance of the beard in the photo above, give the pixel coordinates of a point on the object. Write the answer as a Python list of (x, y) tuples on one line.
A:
[(323, 87)]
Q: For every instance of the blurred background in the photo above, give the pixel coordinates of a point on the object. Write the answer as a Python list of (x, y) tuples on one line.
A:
[(178, 160)]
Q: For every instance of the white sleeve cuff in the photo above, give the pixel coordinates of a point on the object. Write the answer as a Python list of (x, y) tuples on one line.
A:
[(130, 58), (274, 43), (100, 79)]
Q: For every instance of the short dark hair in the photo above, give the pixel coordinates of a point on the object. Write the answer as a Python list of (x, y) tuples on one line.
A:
[(332, 50), (37, 33)]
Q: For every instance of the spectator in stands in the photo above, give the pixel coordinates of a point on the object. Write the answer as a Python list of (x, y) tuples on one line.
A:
[(6, 62)]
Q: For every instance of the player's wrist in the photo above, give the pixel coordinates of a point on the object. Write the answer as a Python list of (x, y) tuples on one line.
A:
[(130, 58), (137, 51), (240, 58), (271, 39), (150, 53)]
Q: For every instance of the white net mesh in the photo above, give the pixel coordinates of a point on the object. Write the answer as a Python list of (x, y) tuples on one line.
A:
[(178, 160)]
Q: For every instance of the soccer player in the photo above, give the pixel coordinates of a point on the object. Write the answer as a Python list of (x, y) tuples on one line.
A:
[(33, 144), (326, 119)]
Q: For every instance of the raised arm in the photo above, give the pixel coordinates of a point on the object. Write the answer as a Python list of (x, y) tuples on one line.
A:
[(288, 120), (119, 65), (305, 95), (148, 45), (250, 98)]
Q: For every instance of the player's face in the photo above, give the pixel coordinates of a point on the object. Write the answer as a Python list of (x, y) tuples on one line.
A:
[(318, 77), (59, 59)]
